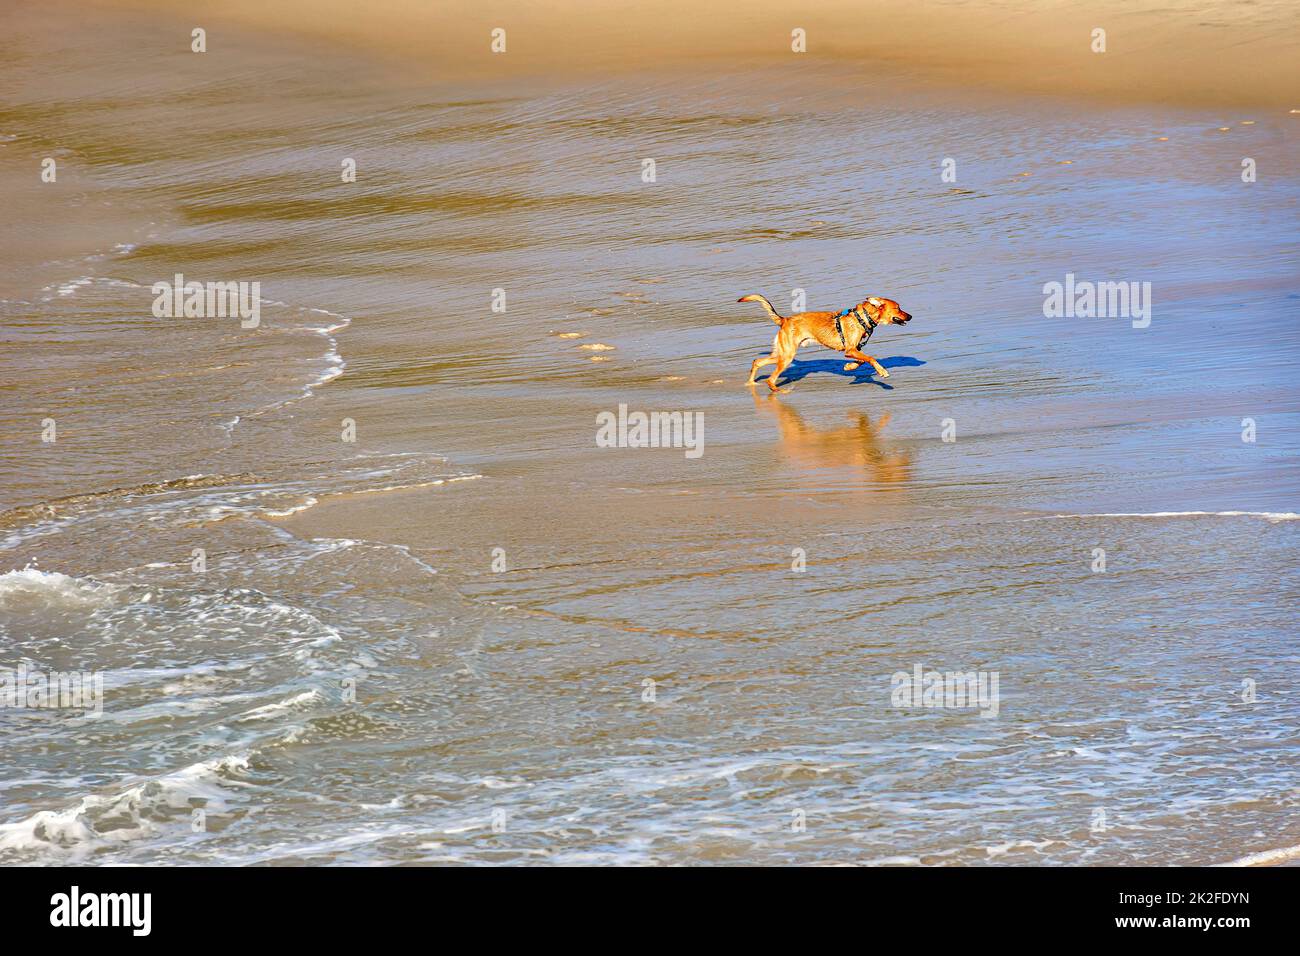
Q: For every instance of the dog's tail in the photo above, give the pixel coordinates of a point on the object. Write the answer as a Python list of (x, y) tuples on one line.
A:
[(767, 306)]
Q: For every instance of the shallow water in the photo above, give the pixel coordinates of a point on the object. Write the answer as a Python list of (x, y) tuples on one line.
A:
[(352, 680)]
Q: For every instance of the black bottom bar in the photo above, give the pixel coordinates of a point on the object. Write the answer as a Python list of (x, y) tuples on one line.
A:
[(338, 905)]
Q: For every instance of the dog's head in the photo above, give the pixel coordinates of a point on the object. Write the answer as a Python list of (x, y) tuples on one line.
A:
[(884, 311)]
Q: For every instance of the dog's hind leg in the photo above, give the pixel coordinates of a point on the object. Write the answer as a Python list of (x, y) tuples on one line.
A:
[(759, 363), (782, 363)]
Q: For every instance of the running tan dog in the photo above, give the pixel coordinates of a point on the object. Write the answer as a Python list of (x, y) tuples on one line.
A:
[(839, 331)]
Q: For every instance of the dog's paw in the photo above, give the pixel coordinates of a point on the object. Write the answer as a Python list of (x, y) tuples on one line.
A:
[(884, 374), (852, 366)]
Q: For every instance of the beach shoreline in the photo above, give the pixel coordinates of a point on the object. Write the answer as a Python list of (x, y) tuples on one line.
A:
[(395, 485)]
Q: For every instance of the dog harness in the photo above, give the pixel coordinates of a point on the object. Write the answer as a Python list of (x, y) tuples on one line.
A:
[(868, 326)]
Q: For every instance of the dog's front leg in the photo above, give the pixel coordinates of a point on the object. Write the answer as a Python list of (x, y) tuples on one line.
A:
[(859, 358)]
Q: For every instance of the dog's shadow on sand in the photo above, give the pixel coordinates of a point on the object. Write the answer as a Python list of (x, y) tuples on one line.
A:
[(865, 373)]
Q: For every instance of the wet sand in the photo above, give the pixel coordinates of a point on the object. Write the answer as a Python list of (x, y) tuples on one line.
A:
[(498, 588)]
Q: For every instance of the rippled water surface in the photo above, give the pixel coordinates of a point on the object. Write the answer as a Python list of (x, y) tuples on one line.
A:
[(471, 635)]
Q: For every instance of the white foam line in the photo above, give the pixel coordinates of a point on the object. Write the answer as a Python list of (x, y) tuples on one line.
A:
[(419, 484), (288, 704), (1268, 857), (333, 358), (73, 829), (71, 286), (332, 354), (311, 500), (1272, 516), (120, 249), (293, 510)]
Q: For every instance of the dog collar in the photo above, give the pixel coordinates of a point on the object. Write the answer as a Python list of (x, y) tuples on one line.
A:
[(868, 326)]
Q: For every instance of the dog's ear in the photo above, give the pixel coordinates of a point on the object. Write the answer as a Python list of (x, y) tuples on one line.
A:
[(873, 304)]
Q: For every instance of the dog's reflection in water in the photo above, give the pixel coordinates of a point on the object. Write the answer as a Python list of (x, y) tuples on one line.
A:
[(858, 444)]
